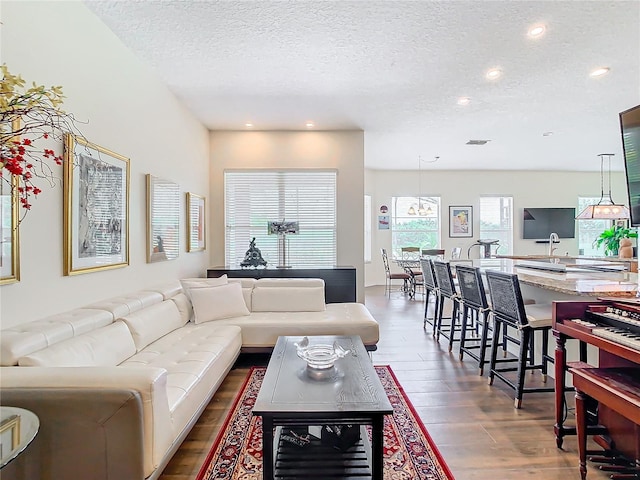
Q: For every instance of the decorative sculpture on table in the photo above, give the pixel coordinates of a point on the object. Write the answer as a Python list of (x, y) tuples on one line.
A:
[(282, 229), (253, 257)]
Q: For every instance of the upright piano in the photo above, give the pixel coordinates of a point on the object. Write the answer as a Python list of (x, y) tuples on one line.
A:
[(611, 325)]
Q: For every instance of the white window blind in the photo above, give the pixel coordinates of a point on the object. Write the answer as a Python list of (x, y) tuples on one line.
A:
[(496, 221), (253, 198)]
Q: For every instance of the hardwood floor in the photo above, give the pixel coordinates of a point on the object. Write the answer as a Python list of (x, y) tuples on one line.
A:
[(477, 430)]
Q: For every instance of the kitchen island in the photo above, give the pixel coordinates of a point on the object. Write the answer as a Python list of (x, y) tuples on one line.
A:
[(546, 279)]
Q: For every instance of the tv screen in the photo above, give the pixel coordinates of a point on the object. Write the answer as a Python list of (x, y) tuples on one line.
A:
[(630, 129), (539, 223)]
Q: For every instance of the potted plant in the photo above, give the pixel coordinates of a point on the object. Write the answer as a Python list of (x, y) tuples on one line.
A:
[(611, 237)]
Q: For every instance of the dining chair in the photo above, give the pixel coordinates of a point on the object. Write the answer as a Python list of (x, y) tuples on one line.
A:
[(390, 276)]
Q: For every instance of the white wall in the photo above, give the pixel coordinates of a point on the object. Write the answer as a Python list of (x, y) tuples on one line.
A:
[(128, 111), (342, 150), (528, 188)]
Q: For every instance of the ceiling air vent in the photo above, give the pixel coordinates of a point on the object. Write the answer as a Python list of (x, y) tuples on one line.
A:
[(477, 142)]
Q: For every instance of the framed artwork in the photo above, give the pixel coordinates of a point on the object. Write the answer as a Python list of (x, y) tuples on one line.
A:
[(163, 219), (10, 231), (195, 223), (383, 222), (460, 221), (96, 207)]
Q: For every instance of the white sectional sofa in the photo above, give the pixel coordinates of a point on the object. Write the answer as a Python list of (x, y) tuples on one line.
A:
[(118, 384)]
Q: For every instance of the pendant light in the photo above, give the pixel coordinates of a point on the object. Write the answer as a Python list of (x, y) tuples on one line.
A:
[(606, 208)]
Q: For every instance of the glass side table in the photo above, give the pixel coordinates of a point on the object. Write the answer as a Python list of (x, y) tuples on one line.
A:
[(18, 428)]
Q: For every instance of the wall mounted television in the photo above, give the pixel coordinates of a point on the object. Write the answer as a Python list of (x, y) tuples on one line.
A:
[(630, 130), (539, 223)]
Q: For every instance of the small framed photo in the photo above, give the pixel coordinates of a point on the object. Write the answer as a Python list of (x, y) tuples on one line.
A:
[(96, 207), (460, 221), (195, 223)]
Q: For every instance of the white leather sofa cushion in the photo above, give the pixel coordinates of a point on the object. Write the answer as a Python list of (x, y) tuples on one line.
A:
[(247, 288), (30, 337), (106, 346), (184, 306), (151, 323), (190, 283), (262, 329), (126, 304), (288, 295), (196, 358), (168, 290), (215, 303)]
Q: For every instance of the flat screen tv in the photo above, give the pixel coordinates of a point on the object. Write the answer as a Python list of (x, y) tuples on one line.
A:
[(539, 223), (630, 129)]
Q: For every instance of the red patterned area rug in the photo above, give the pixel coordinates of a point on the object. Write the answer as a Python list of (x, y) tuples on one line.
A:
[(409, 450)]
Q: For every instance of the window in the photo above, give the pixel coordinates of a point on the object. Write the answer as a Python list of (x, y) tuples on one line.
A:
[(422, 229), (496, 222), (367, 228), (590, 230), (255, 197)]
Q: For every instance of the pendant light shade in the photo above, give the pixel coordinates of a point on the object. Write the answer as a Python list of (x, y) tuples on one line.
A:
[(606, 208)]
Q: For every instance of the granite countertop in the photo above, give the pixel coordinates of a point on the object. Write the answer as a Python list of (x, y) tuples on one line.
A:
[(570, 279)]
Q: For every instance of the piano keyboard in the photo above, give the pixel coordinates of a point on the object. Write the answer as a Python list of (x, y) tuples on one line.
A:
[(618, 335)]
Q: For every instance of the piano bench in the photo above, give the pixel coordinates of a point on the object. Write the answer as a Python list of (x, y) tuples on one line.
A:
[(617, 388)]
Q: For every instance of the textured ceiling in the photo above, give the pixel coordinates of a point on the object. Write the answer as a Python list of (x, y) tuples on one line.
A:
[(395, 70)]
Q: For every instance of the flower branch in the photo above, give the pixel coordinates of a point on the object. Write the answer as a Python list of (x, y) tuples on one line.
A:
[(30, 118)]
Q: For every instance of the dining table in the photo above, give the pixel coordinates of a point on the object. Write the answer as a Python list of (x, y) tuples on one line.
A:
[(413, 268)]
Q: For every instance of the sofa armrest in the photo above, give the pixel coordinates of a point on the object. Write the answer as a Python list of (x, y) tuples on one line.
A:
[(149, 383), (81, 435)]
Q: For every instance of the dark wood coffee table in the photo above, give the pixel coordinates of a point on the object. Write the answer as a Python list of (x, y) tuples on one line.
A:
[(349, 394)]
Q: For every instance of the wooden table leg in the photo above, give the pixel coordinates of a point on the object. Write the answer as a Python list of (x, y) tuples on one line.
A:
[(560, 364), (267, 448), (377, 450), (581, 429)]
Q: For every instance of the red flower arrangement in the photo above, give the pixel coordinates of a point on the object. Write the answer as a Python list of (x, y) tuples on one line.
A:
[(29, 116)]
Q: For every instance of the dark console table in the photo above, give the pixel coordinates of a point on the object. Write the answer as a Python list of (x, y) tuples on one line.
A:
[(339, 282)]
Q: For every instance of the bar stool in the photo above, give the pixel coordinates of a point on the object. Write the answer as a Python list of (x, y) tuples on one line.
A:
[(447, 290), (430, 286), (508, 309), (475, 312)]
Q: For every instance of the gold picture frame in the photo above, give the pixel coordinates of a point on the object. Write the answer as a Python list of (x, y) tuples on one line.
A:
[(196, 234), (9, 226), (96, 207), (163, 219), (10, 424)]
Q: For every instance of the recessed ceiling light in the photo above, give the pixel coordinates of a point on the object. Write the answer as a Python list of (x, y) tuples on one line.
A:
[(464, 101), (547, 134), (598, 72), (248, 125), (309, 124), (537, 31), (494, 74), (478, 142)]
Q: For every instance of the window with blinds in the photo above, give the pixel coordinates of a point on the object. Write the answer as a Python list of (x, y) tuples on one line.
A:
[(496, 221), (253, 198), (590, 230)]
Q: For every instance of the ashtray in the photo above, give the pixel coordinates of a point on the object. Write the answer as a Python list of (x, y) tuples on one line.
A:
[(320, 356)]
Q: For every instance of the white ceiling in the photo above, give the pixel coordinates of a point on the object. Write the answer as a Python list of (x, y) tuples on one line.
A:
[(395, 70)]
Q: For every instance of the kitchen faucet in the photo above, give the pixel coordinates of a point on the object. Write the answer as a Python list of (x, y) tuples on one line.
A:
[(553, 238)]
